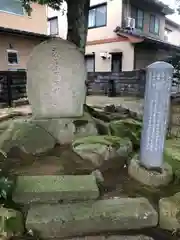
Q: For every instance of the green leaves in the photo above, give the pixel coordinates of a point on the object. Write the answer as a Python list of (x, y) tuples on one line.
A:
[(6, 187), (55, 4)]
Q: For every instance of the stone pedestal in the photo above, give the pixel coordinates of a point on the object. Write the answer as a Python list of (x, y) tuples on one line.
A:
[(149, 177)]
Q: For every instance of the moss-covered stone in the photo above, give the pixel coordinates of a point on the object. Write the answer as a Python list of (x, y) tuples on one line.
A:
[(65, 130), (11, 223), (102, 127), (172, 154), (112, 141), (52, 189), (169, 212), (128, 128), (27, 136), (81, 219), (98, 149)]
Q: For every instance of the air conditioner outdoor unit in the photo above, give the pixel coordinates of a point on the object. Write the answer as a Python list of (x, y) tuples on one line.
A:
[(130, 23)]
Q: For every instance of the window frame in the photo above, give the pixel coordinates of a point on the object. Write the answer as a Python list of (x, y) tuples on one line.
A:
[(154, 24), (53, 18), (17, 54), (13, 13), (136, 16), (95, 7)]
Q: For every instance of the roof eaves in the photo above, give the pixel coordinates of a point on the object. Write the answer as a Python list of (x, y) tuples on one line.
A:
[(23, 33)]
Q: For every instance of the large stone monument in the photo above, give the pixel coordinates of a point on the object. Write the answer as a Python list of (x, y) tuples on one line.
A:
[(56, 90), (155, 120), (56, 80)]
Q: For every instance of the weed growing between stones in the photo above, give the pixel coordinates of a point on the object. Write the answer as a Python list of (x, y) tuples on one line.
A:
[(7, 182)]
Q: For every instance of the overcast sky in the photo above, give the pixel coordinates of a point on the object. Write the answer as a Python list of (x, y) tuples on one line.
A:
[(172, 4)]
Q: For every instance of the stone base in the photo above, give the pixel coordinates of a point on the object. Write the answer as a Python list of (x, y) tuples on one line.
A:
[(149, 177), (65, 130)]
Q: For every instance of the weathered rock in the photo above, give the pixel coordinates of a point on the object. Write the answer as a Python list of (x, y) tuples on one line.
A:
[(52, 189), (56, 80), (65, 130), (127, 128), (102, 127), (4, 125), (172, 153), (53, 221), (150, 177), (98, 149), (169, 213), (116, 112), (96, 114), (27, 136), (11, 224), (110, 108), (99, 177), (174, 132), (37, 136)]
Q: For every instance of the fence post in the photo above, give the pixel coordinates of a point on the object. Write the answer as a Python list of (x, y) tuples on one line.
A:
[(156, 110), (9, 83)]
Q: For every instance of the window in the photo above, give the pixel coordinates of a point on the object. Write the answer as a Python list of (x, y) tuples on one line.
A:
[(12, 56), (138, 15), (167, 34), (98, 16), (53, 26), (90, 63), (12, 6), (154, 25)]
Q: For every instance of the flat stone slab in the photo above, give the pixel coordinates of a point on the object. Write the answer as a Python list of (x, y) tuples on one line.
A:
[(52, 189), (81, 219)]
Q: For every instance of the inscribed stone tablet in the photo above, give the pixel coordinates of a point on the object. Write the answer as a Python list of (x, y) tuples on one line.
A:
[(56, 80), (156, 110)]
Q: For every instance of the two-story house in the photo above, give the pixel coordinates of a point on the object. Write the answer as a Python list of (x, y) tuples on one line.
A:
[(123, 34), (19, 33), (126, 35), (172, 32)]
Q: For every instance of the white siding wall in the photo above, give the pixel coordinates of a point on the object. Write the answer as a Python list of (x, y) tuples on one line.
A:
[(62, 19)]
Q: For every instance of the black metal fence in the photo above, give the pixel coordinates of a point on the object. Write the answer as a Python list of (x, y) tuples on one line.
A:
[(12, 87), (130, 83)]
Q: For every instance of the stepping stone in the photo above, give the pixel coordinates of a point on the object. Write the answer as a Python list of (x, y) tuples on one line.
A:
[(53, 189), (86, 218)]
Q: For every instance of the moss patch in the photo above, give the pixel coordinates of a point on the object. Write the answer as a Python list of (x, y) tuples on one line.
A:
[(172, 153), (128, 128), (113, 141)]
